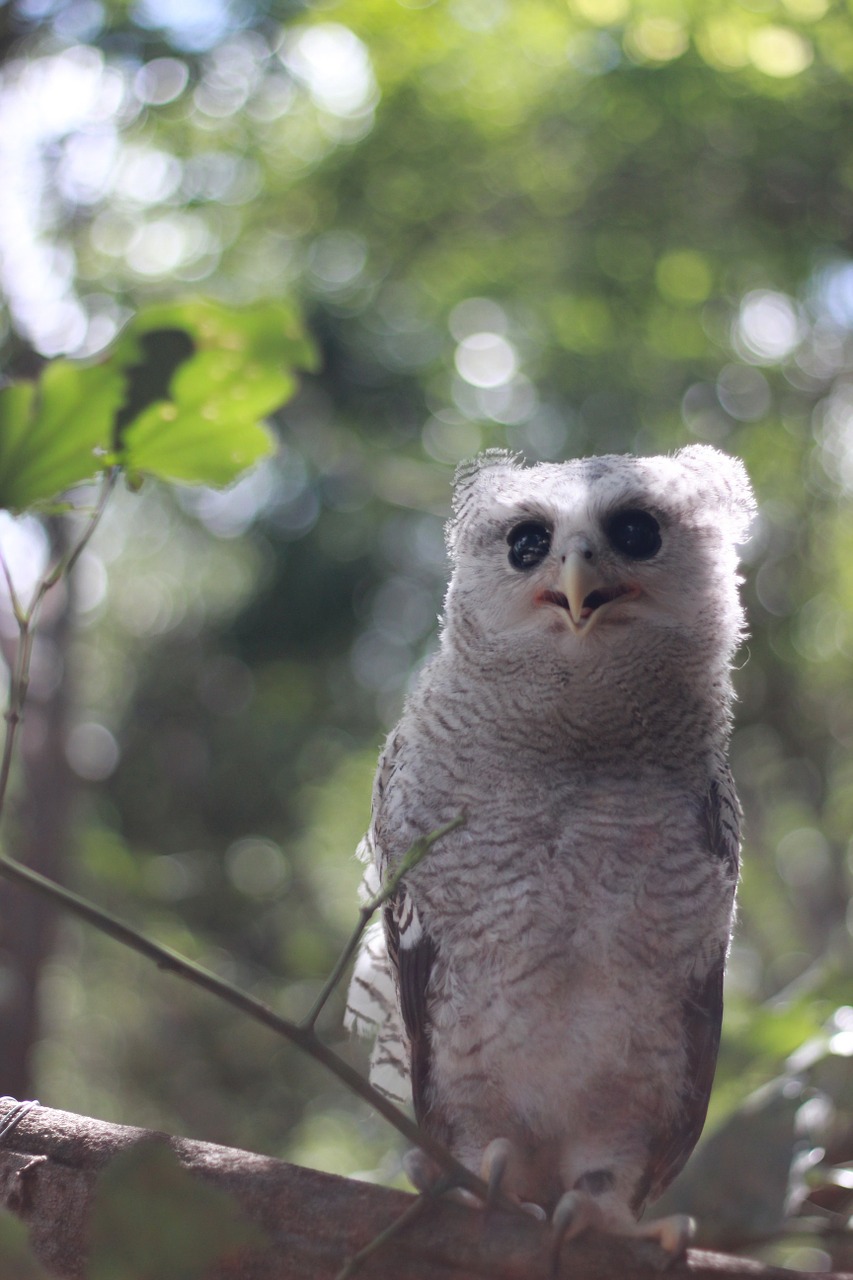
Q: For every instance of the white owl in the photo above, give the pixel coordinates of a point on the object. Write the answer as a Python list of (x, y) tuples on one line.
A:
[(557, 961)]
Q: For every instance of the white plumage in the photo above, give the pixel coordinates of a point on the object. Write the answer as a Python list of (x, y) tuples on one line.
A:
[(548, 980)]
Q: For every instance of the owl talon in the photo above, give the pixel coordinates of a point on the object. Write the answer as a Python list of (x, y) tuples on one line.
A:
[(494, 1165), (575, 1213), (428, 1179), (535, 1210), (422, 1172)]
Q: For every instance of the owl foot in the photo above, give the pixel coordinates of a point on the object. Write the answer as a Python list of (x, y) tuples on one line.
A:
[(577, 1211), (673, 1234), (428, 1178), (423, 1172)]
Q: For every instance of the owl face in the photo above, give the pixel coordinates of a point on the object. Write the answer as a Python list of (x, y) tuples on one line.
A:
[(587, 551), (594, 572)]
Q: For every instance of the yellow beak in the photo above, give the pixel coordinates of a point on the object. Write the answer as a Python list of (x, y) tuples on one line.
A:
[(578, 578)]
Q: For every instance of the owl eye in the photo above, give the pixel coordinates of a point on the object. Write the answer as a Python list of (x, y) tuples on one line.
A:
[(529, 544), (635, 534)]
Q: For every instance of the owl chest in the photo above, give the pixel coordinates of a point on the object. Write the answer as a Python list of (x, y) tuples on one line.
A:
[(589, 885)]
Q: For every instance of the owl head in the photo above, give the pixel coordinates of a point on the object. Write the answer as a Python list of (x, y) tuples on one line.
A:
[(597, 550)]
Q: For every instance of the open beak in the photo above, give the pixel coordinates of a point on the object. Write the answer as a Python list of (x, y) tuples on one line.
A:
[(578, 581), (582, 594)]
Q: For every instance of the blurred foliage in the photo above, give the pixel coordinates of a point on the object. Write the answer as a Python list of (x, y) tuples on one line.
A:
[(560, 227)]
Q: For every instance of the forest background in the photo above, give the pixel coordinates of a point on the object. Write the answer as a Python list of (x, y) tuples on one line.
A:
[(562, 227)]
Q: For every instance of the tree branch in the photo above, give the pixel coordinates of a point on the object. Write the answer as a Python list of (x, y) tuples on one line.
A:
[(312, 1223)]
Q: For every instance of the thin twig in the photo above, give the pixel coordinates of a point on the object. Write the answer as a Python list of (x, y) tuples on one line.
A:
[(13, 595), (418, 850), (66, 563), (410, 1214), (26, 619)]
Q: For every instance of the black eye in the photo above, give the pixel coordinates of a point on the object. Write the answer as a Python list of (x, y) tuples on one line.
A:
[(635, 534), (529, 544)]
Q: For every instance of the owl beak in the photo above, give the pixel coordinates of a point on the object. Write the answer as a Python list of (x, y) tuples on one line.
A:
[(578, 580), (583, 595)]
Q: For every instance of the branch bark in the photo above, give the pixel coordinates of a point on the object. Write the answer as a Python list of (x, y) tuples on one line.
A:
[(50, 1166)]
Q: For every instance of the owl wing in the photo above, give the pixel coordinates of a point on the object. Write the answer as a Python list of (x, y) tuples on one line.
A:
[(388, 994), (410, 949), (702, 1010), (412, 953)]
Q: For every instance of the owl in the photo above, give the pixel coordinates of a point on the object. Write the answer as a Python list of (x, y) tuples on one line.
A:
[(547, 982)]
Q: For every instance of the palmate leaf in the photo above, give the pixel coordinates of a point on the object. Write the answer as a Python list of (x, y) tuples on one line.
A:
[(180, 396), (56, 433), (207, 427)]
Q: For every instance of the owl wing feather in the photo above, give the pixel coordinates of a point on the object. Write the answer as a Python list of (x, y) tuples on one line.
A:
[(412, 951), (401, 959), (702, 1009)]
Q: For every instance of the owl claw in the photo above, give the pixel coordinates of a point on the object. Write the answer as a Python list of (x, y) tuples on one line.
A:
[(575, 1212), (535, 1210), (494, 1165), (428, 1179), (422, 1172)]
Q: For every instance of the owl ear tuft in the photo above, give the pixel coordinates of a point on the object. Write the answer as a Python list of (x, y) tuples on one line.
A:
[(470, 478), (724, 479), (469, 471)]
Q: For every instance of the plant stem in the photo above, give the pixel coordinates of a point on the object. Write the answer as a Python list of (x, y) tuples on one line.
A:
[(26, 619)]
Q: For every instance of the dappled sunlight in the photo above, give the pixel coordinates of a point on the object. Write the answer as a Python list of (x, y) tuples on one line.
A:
[(335, 66)]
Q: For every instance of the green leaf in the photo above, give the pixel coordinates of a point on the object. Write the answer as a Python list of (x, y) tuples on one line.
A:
[(152, 1219), (207, 427), (56, 433), (180, 396)]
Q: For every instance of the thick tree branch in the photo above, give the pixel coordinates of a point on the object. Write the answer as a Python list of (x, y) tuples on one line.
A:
[(312, 1223)]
